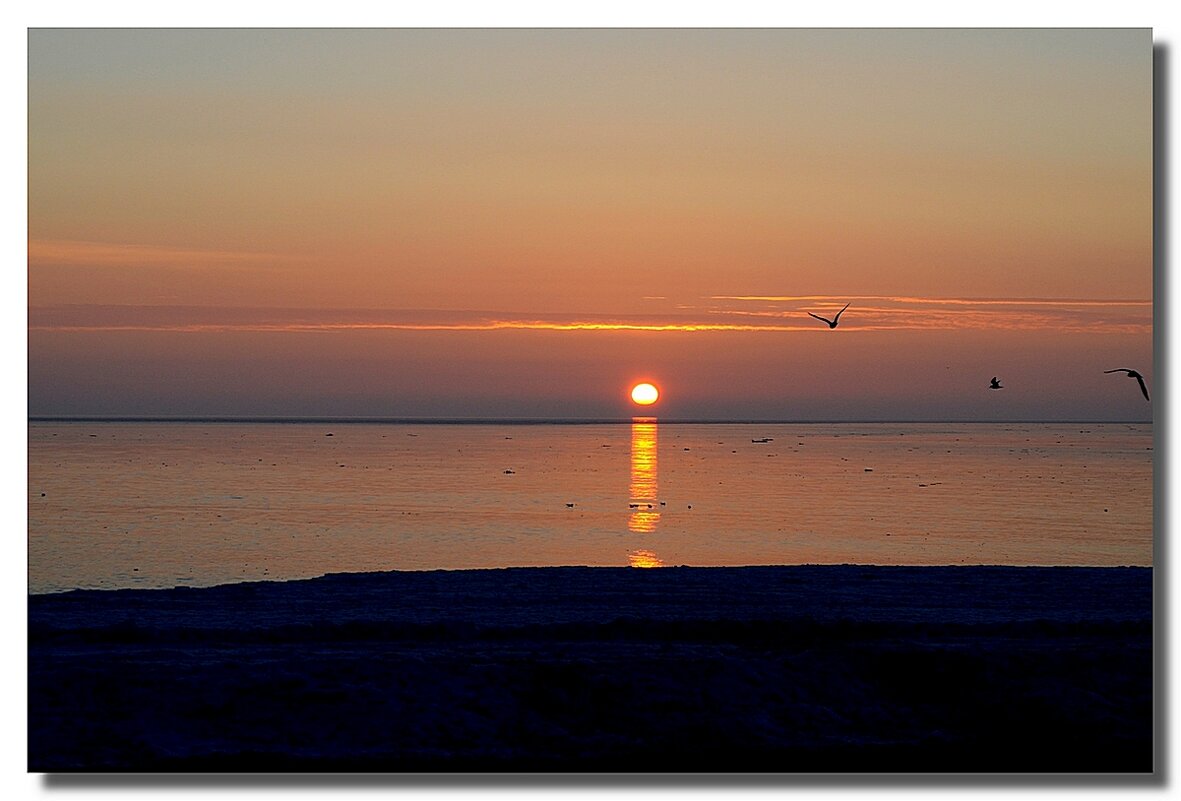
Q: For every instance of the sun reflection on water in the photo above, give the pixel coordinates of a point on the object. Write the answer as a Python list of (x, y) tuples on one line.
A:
[(644, 503), (642, 558)]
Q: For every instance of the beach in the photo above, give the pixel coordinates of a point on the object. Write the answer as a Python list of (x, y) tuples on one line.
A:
[(801, 669)]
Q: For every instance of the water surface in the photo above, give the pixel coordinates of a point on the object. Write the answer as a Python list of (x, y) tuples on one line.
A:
[(165, 504)]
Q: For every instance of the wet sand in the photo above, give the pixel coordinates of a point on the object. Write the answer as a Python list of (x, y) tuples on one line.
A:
[(812, 669)]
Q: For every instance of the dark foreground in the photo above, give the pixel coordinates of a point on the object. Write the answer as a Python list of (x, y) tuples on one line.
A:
[(777, 669)]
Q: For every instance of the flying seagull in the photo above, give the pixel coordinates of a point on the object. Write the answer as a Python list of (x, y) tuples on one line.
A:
[(1132, 374), (833, 322), (995, 384)]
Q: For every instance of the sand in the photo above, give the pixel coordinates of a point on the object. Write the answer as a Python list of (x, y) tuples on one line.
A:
[(813, 669)]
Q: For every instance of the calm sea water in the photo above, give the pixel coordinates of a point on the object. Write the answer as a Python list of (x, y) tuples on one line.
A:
[(166, 504)]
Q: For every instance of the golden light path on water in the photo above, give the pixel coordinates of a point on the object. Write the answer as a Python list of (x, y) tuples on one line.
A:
[(644, 501)]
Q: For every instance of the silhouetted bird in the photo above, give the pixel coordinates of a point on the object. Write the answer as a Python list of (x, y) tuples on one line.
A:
[(833, 322), (995, 384), (1132, 374)]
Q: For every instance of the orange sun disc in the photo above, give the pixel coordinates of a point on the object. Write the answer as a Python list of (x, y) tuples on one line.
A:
[(645, 394)]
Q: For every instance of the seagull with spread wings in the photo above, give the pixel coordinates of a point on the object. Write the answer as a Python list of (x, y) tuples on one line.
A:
[(1132, 374), (833, 322)]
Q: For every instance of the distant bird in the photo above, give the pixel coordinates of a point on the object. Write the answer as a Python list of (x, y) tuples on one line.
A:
[(833, 322), (1132, 374), (995, 384)]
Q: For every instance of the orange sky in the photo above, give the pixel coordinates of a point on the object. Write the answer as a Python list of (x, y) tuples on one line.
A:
[(512, 223)]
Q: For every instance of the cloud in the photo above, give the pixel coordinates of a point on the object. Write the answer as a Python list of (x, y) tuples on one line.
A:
[(62, 252), (904, 299), (896, 312), (212, 319), (1070, 316)]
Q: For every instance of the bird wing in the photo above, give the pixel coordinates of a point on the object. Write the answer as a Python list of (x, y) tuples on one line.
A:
[(1143, 388), (818, 317), (842, 311), (1120, 370)]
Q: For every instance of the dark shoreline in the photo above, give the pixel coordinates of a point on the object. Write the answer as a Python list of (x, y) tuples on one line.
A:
[(809, 669)]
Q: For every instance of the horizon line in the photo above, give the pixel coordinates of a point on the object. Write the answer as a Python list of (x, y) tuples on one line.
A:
[(536, 420)]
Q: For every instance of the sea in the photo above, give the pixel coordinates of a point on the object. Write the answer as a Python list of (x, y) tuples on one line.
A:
[(157, 504)]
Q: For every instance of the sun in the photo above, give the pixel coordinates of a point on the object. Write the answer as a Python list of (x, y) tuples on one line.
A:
[(645, 394)]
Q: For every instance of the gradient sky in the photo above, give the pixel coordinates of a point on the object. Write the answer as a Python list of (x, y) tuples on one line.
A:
[(523, 223)]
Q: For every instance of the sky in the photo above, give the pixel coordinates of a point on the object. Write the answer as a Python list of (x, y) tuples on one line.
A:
[(525, 222)]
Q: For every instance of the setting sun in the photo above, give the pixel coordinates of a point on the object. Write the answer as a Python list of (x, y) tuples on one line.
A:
[(645, 394)]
